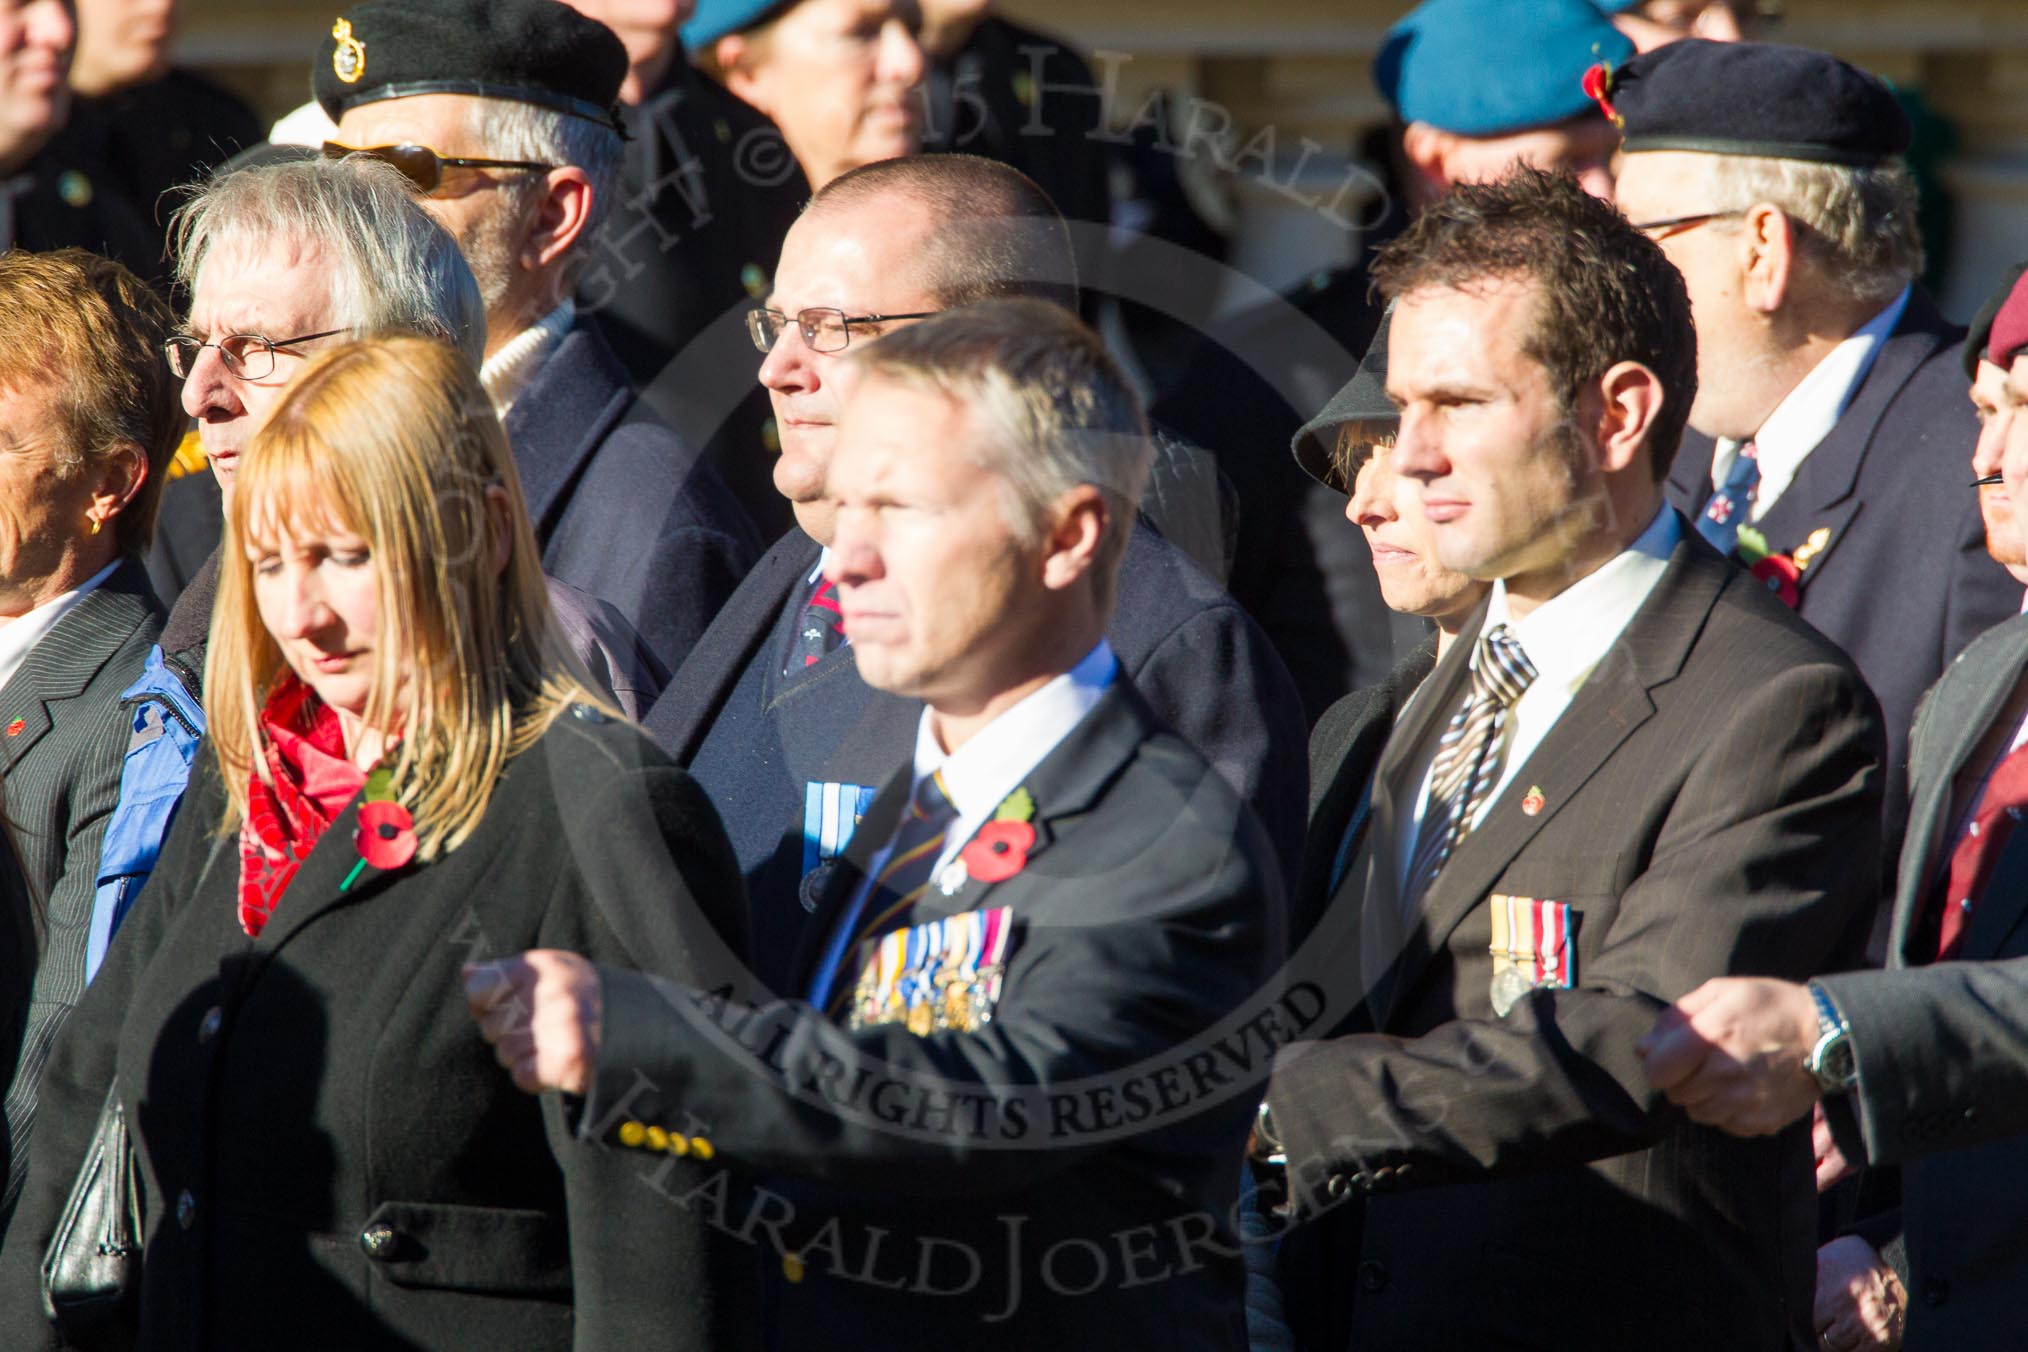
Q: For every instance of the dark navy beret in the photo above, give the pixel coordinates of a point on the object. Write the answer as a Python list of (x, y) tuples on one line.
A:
[(1363, 399), (1492, 67), (530, 51), (1754, 98), (713, 19)]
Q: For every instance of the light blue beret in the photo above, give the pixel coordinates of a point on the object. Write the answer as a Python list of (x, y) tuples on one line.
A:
[(713, 19), (1493, 67)]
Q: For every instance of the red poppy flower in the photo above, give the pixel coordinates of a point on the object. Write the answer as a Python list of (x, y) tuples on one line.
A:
[(1598, 84), (386, 836), (1780, 573), (999, 851)]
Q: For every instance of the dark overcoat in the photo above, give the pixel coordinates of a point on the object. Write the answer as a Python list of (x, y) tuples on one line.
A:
[(331, 1156), (623, 507)]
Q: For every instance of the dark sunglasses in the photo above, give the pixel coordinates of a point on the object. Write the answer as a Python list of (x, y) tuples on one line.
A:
[(422, 166)]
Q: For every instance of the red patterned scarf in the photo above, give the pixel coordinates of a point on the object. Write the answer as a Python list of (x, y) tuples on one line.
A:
[(313, 781)]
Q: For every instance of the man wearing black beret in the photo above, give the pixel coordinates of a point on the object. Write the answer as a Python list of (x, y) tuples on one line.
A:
[(505, 115), (1831, 434)]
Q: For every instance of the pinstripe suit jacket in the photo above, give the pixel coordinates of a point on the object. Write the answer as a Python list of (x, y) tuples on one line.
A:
[(1709, 803), (63, 778)]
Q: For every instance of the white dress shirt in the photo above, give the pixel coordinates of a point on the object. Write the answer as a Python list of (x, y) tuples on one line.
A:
[(1566, 637), (1810, 411), (19, 635)]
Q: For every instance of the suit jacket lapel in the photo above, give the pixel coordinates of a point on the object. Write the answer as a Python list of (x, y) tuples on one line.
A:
[(70, 656), (706, 679), (560, 419), (1348, 771), (1690, 473), (1064, 786), (1613, 702), (1828, 473)]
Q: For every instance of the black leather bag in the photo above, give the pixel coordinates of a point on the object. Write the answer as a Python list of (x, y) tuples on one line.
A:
[(91, 1273)]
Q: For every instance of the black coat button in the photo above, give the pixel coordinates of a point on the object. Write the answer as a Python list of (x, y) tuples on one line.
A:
[(186, 1209), (1373, 1275), (379, 1241), (208, 1026), (1935, 1291), (1337, 1185)]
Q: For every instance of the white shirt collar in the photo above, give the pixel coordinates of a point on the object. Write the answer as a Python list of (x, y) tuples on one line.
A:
[(508, 372), (1809, 412), (19, 635), (979, 775), (1566, 635)]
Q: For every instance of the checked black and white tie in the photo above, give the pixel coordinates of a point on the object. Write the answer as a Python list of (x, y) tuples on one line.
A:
[(1467, 762)]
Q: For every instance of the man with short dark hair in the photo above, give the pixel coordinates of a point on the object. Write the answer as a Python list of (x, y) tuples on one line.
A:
[(976, 1070), (1827, 444), (1633, 771), (770, 712), (504, 113)]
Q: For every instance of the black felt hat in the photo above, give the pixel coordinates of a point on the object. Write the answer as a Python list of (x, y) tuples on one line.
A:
[(530, 51), (1754, 98), (1363, 399)]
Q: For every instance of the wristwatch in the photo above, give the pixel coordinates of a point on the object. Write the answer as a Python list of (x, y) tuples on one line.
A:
[(1830, 1062), (1266, 1145)]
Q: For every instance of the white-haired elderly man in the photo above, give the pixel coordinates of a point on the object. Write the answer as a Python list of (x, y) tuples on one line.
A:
[(977, 1074), (505, 115), (1828, 439)]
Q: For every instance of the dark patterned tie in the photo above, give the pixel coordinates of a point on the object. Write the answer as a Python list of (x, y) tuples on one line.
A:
[(820, 632), (1732, 505), (885, 906), (1467, 760), (1977, 853)]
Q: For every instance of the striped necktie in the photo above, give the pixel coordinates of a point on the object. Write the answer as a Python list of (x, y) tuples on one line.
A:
[(1467, 763), (1732, 505), (886, 904)]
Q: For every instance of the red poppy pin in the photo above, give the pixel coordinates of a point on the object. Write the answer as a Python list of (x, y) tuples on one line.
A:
[(386, 834), (14, 728), (1000, 849), (1533, 803), (1598, 87)]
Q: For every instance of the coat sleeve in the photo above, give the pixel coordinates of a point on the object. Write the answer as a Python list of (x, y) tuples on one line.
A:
[(652, 885), (1742, 878), (1940, 1055), (1081, 1051), (84, 1055)]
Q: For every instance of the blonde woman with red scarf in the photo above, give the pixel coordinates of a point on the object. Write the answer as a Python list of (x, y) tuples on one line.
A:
[(404, 774)]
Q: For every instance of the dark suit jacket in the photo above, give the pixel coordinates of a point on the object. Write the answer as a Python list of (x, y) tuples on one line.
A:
[(707, 192), (293, 1091), (1144, 915), (1708, 804), (755, 738), (1943, 1083), (1904, 582), (62, 779), (623, 507)]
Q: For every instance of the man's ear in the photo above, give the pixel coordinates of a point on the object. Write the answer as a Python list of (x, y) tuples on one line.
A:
[(731, 53), (1767, 257), (1630, 399), (120, 479), (560, 218), (1078, 524), (1427, 151)]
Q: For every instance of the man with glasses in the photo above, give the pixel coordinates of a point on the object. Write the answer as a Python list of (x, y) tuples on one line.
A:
[(1828, 445), (770, 712), (505, 115)]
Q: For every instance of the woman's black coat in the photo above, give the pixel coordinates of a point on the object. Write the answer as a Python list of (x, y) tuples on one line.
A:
[(296, 1093)]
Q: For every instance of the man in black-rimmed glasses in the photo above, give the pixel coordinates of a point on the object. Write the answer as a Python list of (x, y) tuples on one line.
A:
[(504, 115)]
